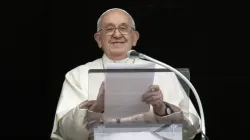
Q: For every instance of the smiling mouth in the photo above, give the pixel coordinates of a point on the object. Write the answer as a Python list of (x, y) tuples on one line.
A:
[(117, 42)]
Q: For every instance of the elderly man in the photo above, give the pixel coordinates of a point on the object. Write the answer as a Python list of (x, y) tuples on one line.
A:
[(116, 35)]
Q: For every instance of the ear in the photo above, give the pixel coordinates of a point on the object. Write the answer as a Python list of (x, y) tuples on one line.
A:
[(136, 36), (98, 39)]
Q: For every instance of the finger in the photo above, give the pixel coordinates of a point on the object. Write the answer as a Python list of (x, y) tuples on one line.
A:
[(90, 103), (149, 94), (157, 105), (153, 98), (103, 84), (154, 103), (101, 90), (154, 87), (102, 87)]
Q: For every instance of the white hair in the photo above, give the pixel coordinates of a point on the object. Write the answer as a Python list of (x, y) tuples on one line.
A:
[(100, 18)]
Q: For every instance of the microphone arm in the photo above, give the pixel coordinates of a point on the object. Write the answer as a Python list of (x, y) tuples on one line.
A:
[(143, 56)]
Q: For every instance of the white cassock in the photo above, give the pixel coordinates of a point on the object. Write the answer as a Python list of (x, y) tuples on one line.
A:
[(70, 122)]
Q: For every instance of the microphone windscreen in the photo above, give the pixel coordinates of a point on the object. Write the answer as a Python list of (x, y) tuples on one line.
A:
[(132, 53)]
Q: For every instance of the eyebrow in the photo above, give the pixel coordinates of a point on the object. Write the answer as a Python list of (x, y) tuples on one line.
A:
[(108, 24), (111, 24)]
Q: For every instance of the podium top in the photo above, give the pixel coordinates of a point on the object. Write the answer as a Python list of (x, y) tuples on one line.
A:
[(181, 70), (184, 71), (136, 131)]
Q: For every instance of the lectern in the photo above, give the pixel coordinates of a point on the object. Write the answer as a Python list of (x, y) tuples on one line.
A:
[(136, 126)]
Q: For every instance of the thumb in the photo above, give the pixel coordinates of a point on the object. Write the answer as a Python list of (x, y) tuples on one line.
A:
[(102, 88)]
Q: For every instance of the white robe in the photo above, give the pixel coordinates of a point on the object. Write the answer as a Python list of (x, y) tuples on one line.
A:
[(70, 122)]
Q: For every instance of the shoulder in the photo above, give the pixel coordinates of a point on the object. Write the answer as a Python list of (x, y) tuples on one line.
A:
[(143, 61), (83, 69), (164, 75)]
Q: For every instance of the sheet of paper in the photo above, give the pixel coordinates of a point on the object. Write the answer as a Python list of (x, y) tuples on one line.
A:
[(124, 90)]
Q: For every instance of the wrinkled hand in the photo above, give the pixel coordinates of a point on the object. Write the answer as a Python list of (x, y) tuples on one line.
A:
[(98, 105), (154, 97)]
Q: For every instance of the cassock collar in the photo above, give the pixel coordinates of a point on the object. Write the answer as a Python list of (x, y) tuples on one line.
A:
[(107, 60)]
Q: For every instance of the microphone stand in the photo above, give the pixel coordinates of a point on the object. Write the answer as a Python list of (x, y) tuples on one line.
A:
[(143, 56)]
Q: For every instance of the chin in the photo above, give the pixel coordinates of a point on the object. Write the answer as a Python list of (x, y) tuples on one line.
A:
[(118, 49), (117, 52)]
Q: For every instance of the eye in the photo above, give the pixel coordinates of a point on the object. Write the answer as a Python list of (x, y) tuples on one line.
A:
[(109, 28), (123, 27)]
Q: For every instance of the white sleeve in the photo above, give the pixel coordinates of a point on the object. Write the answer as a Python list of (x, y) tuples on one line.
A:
[(179, 101), (71, 122)]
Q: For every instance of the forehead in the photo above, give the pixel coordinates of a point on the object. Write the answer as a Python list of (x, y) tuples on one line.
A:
[(116, 18)]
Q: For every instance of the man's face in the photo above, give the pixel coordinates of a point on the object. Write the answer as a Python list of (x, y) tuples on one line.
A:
[(113, 41)]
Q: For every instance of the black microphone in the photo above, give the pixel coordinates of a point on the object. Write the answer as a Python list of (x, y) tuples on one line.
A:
[(133, 54)]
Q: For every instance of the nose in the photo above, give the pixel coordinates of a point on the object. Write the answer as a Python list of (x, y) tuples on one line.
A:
[(117, 34)]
